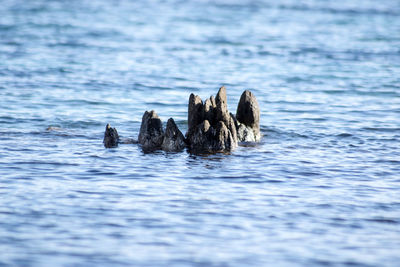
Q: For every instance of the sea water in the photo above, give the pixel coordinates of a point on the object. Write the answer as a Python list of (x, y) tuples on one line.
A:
[(321, 188)]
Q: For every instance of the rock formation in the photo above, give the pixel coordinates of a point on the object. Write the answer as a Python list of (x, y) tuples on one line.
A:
[(248, 118), (152, 136), (151, 133), (211, 128), (111, 137), (173, 138)]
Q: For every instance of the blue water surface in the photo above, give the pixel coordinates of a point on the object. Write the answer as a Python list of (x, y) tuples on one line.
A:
[(322, 188)]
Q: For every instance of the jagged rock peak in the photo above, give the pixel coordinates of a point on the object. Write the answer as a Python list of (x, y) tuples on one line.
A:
[(173, 138), (248, 117), (151, 133), (195, 112), (221, 96)]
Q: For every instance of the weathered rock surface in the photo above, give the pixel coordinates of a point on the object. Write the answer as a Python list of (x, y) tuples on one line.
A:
[(248, 118), (222, 113), (224, 138), (199, 139), (111, 137), (211, 127), (173, 138), (151, 133)]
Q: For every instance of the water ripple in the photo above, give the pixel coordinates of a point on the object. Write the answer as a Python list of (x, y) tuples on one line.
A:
[(321, 188)]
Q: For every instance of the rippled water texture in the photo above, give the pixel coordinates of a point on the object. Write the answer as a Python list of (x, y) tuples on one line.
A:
[(322, 188)]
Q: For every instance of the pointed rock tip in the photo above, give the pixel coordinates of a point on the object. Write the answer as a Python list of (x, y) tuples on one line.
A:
[(153, 114), (221, 95)]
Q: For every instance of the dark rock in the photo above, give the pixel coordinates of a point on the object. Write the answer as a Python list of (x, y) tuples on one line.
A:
[(248, 117), (195, 112), (224, 139), (111, 137), (173, 138), (248, 111), (200, 139), (151, 133), (211, 127), (232, 128), (207, 139)]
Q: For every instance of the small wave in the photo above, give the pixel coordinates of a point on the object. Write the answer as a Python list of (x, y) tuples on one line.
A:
[(391, 161), (6, 27), (381, 129), (38, 162), (101, 172), (295, 79), (105, 33), (305, 173), (223, 41), (383, 220), (335, 92), (344, 135), (79, 124), (283, 134), (72, 44), (79, 102), (346, 55), (89, 192), (266, 53), (376, 93), (346, 11), (6, 119)]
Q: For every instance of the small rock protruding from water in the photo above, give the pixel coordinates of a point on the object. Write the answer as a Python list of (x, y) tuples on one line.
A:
[(248, 118), (111, 137), (173, 138), (151, 133), (211, 128), (53, 128)]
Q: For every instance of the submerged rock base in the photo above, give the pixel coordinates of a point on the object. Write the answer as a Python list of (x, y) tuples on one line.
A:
[(211, 128)]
